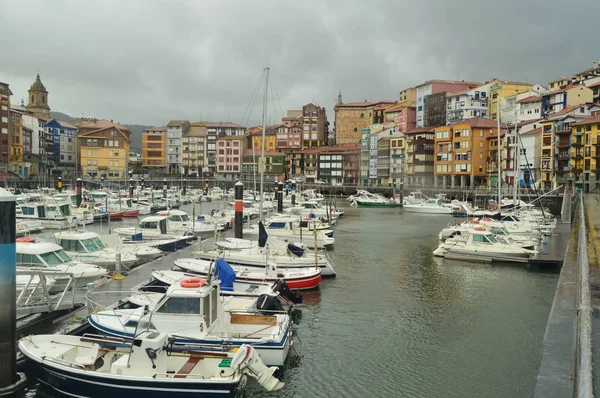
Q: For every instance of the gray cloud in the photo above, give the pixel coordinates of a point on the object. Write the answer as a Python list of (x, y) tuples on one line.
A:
[(151, 61)]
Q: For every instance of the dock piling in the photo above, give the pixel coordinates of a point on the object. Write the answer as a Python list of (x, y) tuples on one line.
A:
[(280, 197), (10, 380), (239, 209), (78, 193)]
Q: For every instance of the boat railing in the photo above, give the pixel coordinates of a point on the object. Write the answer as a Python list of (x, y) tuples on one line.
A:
[(35, 295), (64, 362), (170, 375)]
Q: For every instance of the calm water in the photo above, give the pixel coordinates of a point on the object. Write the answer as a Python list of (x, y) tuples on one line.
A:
[(398, 323)]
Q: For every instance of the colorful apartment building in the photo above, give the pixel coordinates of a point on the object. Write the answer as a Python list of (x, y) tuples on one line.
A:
[(64, 139), (154, 148), (437, 86), (403, 116), (193, 150), (585, 161), (104, 149), (229, 156), (274, 165), (468, 103), (255, 137), (176, 129), (5, 94), (419, 167), (466, 153), (500, 89), (397, 158)]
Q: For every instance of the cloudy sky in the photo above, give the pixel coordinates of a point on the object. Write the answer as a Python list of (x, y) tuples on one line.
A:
[(147, 62)]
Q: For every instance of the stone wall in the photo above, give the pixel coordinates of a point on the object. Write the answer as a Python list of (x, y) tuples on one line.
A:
[(348, 123)]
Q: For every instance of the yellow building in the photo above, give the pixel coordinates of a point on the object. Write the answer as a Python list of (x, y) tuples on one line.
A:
[(103, 148), (154, 147), (585, 153), (255, 135), (408, 97), (397, 158), (558, 83), (501, 89)]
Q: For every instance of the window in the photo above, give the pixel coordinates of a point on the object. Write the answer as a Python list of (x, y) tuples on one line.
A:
[(588, 128), (355, 129), (362, 115), (180, 305)]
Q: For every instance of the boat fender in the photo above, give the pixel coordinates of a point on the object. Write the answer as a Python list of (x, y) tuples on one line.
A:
[(493, 207), (193, 283)]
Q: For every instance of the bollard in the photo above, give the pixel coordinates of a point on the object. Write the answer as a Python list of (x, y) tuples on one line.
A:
[(79, 191), (118, 263), (131, 187), (10, 380), (293, 193), (90, 305), (280, 197), (287, 188), (239, 209), (59, 184)]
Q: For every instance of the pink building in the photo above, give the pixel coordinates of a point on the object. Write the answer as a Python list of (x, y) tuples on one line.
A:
[(288, 137), (229, 156), (403, 116)]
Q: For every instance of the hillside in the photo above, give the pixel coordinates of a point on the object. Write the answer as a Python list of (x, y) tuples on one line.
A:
[(136, 129)]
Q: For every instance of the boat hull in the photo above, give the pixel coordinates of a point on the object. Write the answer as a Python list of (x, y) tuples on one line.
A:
[(86, 384), (427, 209), (375, 204), (130, 213)]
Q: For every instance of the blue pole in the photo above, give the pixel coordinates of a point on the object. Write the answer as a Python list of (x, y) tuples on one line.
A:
[(9, 379)]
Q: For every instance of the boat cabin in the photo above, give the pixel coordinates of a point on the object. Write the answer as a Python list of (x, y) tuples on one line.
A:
[(175, 215), (41, 210), (82, 242), (154, 223), (203, 301), (483, 237), (40, 254)]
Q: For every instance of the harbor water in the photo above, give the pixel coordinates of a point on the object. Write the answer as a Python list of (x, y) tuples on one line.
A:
[(397, 322)]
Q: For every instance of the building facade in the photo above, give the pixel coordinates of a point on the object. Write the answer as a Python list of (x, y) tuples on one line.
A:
[(5, 94), (315, 126), (500, 89), (274, 165), (193, 150), (154, 149), (420, 156), (176, 129), (351, 118), (467, 104), (230, 150), (402, 115), (433, 87), (63, 137), (104, 149), (408, 97), (587, 132)]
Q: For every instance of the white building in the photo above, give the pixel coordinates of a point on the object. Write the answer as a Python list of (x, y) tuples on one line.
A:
[(468, 104), (175, 132), (529, 154)]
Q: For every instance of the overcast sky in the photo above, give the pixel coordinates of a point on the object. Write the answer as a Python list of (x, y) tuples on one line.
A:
[(147, 62)]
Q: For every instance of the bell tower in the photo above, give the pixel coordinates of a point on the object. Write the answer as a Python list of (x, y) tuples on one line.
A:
[(38, 99)]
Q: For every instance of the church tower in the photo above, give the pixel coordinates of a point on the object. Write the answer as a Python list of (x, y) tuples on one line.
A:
[(38, 99)]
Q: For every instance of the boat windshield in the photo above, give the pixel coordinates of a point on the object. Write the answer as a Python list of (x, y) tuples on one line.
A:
[(491, 238), (499, 231), (92, 244), (55, 257), (149, 225), (180, 305), (184, 217)]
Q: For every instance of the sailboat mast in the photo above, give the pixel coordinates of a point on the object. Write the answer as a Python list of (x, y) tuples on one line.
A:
[(261, 162), (517, 156), (498, 163)]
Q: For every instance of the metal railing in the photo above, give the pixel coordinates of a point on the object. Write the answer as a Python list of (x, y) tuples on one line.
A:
[(584, 376)]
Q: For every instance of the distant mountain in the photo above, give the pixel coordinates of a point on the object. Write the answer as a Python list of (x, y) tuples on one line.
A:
[(136, 130)]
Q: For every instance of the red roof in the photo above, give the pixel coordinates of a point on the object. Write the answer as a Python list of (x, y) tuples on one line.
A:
[(526, 122), (480, 122), (569, 109), (588, 120), (532, 98), (533, 132), (428, 129)]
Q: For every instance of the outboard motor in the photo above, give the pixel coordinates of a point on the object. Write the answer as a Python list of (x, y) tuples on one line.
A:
[(248, 361), (267, 304), (285, 291)]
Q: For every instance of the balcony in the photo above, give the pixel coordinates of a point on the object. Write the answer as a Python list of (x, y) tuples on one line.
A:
[(563, 131), (577, 157), (564, 144), (577, 144)]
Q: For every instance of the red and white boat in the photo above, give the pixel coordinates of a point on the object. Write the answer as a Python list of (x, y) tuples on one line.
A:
[(114, 215), (130, 213), (302, 279)]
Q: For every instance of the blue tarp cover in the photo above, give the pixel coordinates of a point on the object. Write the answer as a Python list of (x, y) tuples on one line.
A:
[(225, 274), (262, 235)]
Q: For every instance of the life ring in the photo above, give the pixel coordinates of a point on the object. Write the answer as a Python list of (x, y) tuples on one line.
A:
[(493, 207), (479, 229), (26, 239), (474, 221), (193, 283)]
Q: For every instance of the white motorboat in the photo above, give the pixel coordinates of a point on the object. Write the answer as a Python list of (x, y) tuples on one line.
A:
[(500, 233), (480, 244), (285, 255), (305, 279), (150, 366), (314, 209), (291, 228), (87, 247), (195, 313), (146, 251), (51, 215), (154, 229), (52, 260), (179, 223), (430, 206)]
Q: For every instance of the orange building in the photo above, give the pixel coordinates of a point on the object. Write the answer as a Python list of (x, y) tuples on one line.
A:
[(466, 153)]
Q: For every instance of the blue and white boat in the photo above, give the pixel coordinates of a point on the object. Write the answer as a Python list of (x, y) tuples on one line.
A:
[(151, 366), (194, 312)]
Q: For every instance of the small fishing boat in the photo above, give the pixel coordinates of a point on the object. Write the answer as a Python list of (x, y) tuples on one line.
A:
[(302, 279), (150, 366), (195, 313), (430, 206)]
